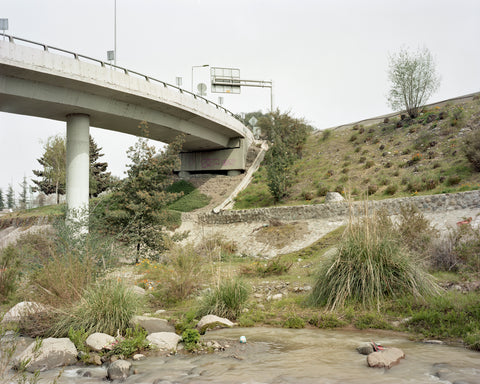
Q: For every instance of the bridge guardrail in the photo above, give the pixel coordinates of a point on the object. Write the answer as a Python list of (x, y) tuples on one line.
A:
[(127, 71)]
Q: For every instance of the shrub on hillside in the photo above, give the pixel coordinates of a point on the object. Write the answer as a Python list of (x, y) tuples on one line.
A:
[(369, 267), (472, 149)]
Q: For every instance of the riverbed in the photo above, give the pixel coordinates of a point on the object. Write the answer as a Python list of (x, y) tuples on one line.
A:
[(288, 356)]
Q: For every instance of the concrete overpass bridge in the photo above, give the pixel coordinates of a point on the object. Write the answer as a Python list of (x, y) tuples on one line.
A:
[(44, 81)]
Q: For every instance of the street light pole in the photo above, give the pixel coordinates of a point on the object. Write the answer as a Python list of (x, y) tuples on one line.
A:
[(115, 33), (197, 66)]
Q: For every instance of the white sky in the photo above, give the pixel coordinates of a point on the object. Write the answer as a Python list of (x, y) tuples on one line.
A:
[(327, 58)]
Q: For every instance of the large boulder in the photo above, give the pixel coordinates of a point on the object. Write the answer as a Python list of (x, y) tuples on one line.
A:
[(98, 341), (119, 370), (212, 321), (50, 353), (165, 341), (333, 197), (386, 358), (21, 310), (153, 324)]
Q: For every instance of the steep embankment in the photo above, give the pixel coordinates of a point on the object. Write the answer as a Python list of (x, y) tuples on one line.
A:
[(383, 157)]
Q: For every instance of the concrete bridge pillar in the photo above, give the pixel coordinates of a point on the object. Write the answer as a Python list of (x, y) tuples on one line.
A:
[(78, 164)]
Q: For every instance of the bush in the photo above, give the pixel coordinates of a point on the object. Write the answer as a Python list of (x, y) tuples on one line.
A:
[(368, 268), (9, 272), (191, 339), (391, 189), (66, 264), (182, 274), (227, 300), (105, 307), (415, 230), (453, 180), (135, 341), (472, 149), (294, 322)]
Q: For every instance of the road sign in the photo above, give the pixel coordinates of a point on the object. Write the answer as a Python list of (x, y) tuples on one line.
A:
[(225, 80)]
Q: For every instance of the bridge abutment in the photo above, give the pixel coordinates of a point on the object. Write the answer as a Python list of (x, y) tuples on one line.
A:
[(78, 164)]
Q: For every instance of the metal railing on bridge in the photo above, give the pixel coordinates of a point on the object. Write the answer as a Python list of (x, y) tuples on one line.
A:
[(78, 56)]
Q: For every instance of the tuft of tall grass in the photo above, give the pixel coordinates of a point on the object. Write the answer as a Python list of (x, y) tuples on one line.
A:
[(369, 267), (226, 300), (107, 306)]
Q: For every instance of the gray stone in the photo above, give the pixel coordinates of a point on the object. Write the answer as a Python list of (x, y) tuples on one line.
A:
[(138, 357), (138, 290), (365, 348), (333, 197), (386, 358), (212, 321), (22, 309), (119, 370), (52, 353), (165, 341), (153, 324), (98, 341)]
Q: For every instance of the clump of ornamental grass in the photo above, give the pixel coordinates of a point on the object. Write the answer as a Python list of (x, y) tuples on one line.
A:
[(369, 268), (108, 307), (226, 300)]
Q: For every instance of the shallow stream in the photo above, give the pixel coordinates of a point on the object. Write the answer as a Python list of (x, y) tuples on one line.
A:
[(281, 356)]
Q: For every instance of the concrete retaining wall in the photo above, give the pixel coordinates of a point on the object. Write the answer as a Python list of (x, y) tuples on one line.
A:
[(432, 203)]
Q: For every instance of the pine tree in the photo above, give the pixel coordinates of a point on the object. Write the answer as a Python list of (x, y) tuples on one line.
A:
[(23, 199), (100, 179), (53, 176), (2, 203), (138, 208), (10, 197)]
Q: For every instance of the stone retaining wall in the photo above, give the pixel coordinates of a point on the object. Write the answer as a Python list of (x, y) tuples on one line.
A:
[(431, 203)]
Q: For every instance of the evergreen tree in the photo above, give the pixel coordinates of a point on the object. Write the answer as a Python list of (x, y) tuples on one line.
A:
[(53, 176), (100, 179), (2, 203), (23, 199), (138, 208), (10, 197)]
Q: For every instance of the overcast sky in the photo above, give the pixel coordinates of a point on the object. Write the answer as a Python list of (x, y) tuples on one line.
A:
[(327, 58)]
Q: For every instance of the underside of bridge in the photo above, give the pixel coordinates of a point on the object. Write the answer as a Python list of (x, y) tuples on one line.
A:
[(35, 82)]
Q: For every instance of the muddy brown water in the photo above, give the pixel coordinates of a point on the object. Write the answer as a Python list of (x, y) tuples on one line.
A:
[(287, 356)]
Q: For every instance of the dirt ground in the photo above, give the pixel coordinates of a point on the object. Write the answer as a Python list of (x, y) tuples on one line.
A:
[(266, 241)]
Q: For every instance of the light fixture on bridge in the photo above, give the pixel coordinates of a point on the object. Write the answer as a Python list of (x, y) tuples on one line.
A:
[(4, 26), (198, 66), (110, 56), (178, 81)]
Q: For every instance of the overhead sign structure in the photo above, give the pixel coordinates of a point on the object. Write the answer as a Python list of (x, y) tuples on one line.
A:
[(225, 80)]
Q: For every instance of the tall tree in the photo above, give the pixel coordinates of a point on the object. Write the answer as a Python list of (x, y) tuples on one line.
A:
[(287, 136), (100, 179), (53, 176), (23, 197), (138, 208), (10, 197), (54, 161), (2, 203), (413, 80)]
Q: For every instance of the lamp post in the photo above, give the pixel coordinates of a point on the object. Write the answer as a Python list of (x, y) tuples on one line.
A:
[(197, 66)]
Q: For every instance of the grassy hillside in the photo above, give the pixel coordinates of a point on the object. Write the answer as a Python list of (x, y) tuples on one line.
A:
[(393, 158)]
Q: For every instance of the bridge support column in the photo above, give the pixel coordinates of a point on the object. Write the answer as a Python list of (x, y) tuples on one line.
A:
[(78, 174)]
